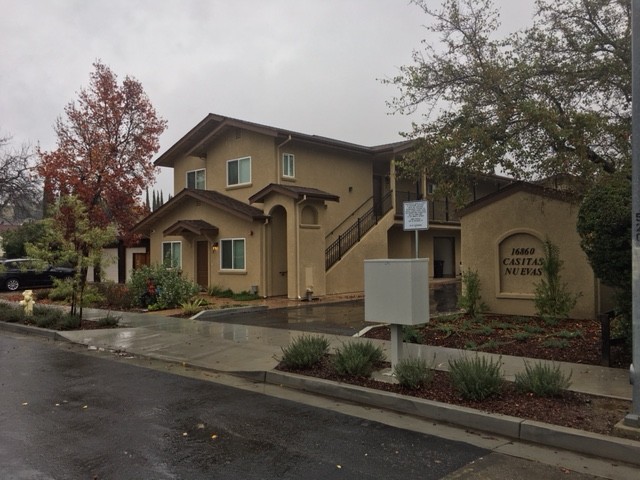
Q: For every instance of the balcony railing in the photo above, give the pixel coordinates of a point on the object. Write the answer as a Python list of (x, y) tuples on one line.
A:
[(356, 231), (442, 210)]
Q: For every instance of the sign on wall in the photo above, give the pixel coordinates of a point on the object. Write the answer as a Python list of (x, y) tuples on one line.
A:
[(520, 260)]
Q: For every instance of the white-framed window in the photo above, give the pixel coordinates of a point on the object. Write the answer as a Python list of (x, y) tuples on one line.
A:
[(288, 165), (431, 188), (232, 254), (172, 254), (196, 179), (239, 171)]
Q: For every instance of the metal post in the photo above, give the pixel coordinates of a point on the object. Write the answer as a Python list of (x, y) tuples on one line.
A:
[(633, 418)]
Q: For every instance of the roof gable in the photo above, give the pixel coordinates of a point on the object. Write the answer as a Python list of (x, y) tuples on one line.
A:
[(514, 188), (296, 192), (209, 197)]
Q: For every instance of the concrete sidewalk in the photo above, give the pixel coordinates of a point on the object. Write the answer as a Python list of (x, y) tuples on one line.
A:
[(254, 352)]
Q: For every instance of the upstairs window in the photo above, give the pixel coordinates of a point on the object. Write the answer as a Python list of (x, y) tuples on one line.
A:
[(172, 254), (288, 165), (196, 179), (239, 171), (232, 254)]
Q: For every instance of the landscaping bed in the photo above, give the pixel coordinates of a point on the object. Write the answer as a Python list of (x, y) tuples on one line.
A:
[(574, 341)]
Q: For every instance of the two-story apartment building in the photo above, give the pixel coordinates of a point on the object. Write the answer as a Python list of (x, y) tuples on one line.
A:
[(285, 213)]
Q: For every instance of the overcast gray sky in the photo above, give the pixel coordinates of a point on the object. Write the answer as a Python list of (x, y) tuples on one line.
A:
[(307, 65)]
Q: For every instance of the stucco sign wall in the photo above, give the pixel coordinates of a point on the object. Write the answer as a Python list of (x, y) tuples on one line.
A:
[(520, 257)]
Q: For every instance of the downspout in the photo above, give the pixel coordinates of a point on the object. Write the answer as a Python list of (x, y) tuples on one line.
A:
[(304, 198), (265, 281), (278, 158)]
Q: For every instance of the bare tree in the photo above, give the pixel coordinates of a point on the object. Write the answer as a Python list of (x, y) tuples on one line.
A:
[(20, 191)]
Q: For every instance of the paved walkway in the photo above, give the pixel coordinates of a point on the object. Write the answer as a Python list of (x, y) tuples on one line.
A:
[(233, 347)]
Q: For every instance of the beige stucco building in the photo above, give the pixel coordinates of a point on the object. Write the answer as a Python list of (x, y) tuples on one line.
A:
[(502, 237), (285, 213)]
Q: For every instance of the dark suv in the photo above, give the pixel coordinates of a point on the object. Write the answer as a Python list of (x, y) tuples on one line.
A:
[(16, 273)]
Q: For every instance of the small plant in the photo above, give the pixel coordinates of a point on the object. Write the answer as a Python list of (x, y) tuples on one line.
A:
[(446, 329), (489, 346), (69, 322), (357, 359), (46, 317), (558, 343), (476, 378), (553, 300), (533, 329), (470, 345), (108, 321), (214, 290), (411, 334), (413, 372), (485, 330), (193, 306), (11, 314), (304, 352), (570, 334), (542, 379), (470, 300), (522, 336)]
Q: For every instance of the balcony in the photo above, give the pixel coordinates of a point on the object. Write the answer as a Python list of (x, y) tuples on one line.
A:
[(440, 211)]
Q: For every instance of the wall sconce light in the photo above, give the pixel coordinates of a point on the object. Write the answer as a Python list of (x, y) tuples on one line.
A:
[(214, 247)]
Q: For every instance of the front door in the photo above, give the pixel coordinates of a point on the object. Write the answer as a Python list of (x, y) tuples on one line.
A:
[(202, 264)]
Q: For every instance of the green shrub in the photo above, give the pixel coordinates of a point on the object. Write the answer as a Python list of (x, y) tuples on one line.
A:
[(558, 343), (109, 321), (542, 380), (553, 300), (304, 352), (245, 296), (215, 290), (413, 372), (116, 295), (193, 306), (476, 378), (357, 359), (62, 290), (470, 299), (11, 314), (522, 336), (47, 317), (69, 322), (171, 288), (41, 294), (570, 334), (411, 334)]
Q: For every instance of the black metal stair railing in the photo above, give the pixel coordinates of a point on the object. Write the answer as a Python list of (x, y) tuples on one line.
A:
[(355, 232)]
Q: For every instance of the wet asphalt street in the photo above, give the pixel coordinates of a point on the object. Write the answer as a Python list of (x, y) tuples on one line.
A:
[(68, 415)]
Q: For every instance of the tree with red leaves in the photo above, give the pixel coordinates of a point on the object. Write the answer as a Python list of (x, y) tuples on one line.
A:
[(104, 149)]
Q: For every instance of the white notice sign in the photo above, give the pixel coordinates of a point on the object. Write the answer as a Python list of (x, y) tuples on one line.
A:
[(416, 215)]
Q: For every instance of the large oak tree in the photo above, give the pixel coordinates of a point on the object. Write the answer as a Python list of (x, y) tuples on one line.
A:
[(552, 99), (105, 145)]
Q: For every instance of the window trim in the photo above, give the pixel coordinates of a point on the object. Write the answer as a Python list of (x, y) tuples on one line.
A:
[(172, 242), (244, 254), (292, 164), (238, 160), (195, 182)]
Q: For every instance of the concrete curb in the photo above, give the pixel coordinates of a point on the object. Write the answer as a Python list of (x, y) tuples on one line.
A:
[(212, 314), (31, 330), (579, 441)]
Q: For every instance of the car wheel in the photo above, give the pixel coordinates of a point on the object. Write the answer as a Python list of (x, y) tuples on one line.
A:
[(13, 284)]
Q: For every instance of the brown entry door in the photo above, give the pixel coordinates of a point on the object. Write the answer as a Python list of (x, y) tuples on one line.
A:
[(202, 264)]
